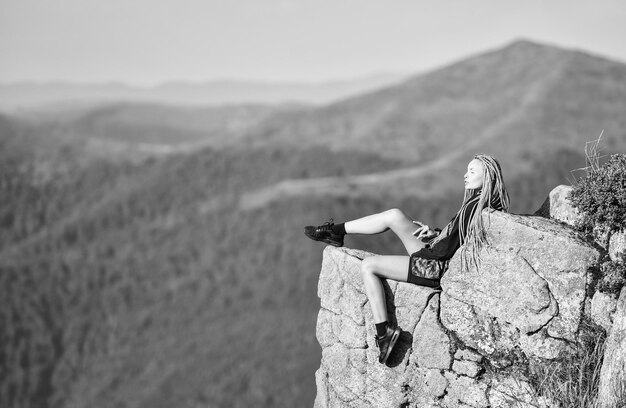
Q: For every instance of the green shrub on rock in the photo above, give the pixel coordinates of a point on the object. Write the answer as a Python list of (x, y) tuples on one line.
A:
[(613, 277), (600, 196)]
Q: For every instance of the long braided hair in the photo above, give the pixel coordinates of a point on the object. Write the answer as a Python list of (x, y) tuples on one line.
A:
[(493, 195)]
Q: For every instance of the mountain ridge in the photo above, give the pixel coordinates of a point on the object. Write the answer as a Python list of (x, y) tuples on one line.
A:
[(368, 119), (503, 137)]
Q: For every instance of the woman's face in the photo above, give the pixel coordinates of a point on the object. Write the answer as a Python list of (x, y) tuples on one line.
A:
[(474, 176)]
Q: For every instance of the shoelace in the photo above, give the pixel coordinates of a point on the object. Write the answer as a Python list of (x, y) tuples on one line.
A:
[(326, 226), (377, 340)]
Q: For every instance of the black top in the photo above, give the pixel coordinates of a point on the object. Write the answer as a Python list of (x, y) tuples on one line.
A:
[(445, 248)]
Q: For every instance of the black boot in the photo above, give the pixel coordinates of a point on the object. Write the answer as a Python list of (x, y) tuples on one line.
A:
[(324, 233), (385, 343)]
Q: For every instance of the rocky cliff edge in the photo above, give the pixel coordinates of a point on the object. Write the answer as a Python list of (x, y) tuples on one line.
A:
[(468, 344)]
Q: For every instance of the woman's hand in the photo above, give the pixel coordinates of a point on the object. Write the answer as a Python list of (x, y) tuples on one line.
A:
[(421, 228), (423, 232)]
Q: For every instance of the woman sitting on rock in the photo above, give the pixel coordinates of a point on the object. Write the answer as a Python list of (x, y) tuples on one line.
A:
[(429, 251)]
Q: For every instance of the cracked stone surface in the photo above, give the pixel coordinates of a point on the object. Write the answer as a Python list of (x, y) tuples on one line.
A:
[(529, 291), (612, 390), (464, 390), (468, 355), (427, 368), (430, 343), (350, 374), (466, 368)]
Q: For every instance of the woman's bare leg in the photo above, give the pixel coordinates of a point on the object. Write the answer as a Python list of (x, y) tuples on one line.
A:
[(394, 220), (374, 268)]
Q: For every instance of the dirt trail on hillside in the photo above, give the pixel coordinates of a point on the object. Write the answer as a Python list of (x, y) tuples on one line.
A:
[(329, 185)]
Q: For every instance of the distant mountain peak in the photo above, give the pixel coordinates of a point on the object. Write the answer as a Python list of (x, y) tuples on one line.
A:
[(527, 43), (525, 46)]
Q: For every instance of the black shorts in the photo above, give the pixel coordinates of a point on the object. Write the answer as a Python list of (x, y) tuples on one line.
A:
[(426, 272)]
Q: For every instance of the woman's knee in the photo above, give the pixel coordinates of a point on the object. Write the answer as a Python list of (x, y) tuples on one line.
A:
[(368, 266), (395, 213), (395, 216)]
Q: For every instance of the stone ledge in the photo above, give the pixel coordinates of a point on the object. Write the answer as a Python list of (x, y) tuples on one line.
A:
[(426, 368), (527, 295)]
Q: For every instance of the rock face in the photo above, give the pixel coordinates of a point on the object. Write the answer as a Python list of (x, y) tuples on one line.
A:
[(612, 392), (528, 295), (528, 292), (617, 247), (559, 207), (603, 306), (350, 374)]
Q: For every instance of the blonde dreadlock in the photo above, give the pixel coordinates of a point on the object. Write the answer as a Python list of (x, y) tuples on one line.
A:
[(493, 195)]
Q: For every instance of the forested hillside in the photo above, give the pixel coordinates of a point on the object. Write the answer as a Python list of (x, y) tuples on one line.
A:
[(135, 279)]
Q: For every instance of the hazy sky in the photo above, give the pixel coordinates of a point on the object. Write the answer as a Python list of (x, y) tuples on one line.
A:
[(145, 42)]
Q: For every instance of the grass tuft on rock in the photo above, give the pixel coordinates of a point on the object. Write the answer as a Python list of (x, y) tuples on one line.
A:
[(573, 381)]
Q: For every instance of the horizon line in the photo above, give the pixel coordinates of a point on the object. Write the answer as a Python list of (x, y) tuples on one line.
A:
[(212, 81)]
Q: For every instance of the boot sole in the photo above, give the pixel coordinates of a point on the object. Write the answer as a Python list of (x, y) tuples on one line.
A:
[(392, 343), (325, 240)]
